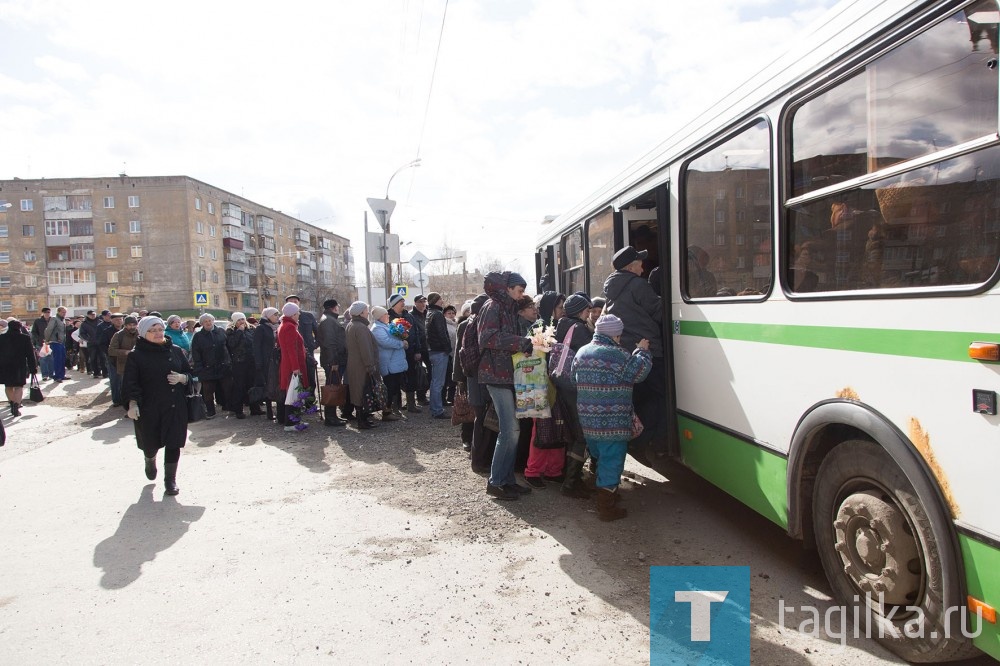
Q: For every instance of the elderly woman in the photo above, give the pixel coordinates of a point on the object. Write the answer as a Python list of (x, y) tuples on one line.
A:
[(391, 362), (293, 359), (362, 361), (239, 342), (263, 349), (178, 336), (211, 361), (17, 361), (153, 387)]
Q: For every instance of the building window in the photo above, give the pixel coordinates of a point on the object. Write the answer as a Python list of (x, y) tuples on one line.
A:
[(32, 305), (202, 275), (6, 306), (211, 230), (136, 251), (3, 231), (110, 252), (281, 230), (137, 301), (134, 227), (232, 300), (4, 282), (282, 269), (215, 277), (82, 252), (30, 280), (133, 201), (27, 204), (113, 277), (199, 227), (201, 252), (109, 227), (27, 230), (214, 254), (4, 257), (197, 203), (109, 202), (30, 255), (211, 208), (136, 276), (215, 300), (57, 227)]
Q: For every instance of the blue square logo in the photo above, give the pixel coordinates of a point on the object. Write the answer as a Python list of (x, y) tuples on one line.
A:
[(699, 615)]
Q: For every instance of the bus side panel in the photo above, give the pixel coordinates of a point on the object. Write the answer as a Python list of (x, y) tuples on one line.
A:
[(982, 570), (753, 475)]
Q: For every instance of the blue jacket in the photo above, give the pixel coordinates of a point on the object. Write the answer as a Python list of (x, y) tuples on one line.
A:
[(391, 356), (604, 373)]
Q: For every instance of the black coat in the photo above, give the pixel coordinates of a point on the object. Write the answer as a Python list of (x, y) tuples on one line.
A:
[(209, 354), (17, 358), (240, 344), (582, 335), (162, 407), (436, 326), (263, 350), (332, 343)]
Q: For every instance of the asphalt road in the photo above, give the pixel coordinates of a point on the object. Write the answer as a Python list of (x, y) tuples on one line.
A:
[(378, 546)]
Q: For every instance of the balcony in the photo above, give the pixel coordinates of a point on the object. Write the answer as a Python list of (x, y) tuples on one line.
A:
[(236, 285), (232, 243), (57, 241), (78, 288), (69, 215), (77, 263), (235, 266)]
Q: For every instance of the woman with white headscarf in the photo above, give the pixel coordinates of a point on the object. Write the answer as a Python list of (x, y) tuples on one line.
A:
[(154, 388)]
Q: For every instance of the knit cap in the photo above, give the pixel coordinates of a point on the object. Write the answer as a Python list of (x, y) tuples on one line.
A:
[(378, 312), (237, 316), (289, 309), (357, 307), (609, 325), (515, 279), (147, 323), (576, 304)]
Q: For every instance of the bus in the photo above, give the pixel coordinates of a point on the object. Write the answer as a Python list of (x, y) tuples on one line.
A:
[(829, 242)]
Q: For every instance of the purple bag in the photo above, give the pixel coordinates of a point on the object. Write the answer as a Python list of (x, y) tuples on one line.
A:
[(561, 360)]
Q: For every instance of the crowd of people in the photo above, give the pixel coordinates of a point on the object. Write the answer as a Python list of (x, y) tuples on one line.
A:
[(434, 355)]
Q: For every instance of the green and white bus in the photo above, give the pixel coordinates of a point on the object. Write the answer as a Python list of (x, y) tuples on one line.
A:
[(829, 238)]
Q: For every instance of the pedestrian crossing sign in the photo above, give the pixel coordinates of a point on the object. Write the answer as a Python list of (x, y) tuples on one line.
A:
[(200, 299), (401, 290)]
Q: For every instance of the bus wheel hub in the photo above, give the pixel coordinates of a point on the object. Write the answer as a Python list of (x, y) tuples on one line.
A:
[(877, 549)]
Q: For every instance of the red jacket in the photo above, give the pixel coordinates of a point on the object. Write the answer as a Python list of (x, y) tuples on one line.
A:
[(293, 353)]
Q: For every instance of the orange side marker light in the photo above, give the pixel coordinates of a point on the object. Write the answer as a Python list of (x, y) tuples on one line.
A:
[(976, 607), (984, 351), (688, 435)]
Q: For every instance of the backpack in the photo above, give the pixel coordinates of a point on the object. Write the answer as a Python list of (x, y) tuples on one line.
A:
[(469, 354)]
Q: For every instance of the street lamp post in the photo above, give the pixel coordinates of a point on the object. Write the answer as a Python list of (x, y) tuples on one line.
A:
[(383, 209)]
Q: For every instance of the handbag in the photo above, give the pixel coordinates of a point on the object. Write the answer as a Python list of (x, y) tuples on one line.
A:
[(423, 384), (256, 394), (196, 410), (561, 360), (272, 389), (491, 421), (637, 426), (554, 432), (461, 410), (34, 390), (374, 397), (333, 393)]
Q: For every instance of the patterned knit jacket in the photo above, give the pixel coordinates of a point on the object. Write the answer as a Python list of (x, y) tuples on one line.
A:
[(604, 373)]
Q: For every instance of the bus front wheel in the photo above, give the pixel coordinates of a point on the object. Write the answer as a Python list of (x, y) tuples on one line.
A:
[(879, 553)]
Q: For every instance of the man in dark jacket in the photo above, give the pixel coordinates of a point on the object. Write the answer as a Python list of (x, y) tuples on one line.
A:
[(634, 301), (88, 334), (439, 344), (332, 353), (419, 313), (414, 351), (105, 329), (212, 363)]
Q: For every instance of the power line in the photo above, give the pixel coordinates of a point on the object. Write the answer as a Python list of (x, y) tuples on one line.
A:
[(430, 88)]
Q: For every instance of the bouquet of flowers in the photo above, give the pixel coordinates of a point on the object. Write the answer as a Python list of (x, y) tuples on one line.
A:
[(399, 328), (542, 336), (303, 405)]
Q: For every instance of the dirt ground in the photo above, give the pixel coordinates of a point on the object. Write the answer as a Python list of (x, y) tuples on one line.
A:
[(542, 578)]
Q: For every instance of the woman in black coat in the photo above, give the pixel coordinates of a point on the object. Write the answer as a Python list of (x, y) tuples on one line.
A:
[(17, 361), (263, 350), (154, 387), (239, 342), (211, 362)]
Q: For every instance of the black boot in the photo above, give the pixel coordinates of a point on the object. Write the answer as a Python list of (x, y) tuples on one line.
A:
[(573, 485), (151, 468), (170, 478), (411, 403), (330, 418), (15, 408)]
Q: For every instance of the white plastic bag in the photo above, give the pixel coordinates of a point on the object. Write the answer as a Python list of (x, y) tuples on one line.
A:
[(294, 387)]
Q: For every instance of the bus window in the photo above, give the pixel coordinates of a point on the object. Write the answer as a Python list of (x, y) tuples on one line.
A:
[(934, 91), (571, 262), (600, 250), (727, 218), (935, 226)]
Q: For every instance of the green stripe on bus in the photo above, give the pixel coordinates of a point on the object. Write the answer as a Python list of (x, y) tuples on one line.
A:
[(752, 475), (938, 345), (982, 571)]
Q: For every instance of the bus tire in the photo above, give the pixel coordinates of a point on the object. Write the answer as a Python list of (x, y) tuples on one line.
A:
[(875, 541)]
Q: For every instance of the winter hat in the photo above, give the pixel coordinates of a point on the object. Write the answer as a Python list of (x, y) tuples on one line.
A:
[(378, 311), (147, 323), (205, 316), (357, 307), (172, 318), (131, 320), (237, 316), (396, 298), (289, 309), (609, 325), (269, 312), (576, 304), (466, 308), (478, 302), (515, 279)]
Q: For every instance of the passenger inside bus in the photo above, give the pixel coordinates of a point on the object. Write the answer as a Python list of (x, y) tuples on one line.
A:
[(701, 281)]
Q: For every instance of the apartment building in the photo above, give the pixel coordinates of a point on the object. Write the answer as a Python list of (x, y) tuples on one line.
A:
[(126, 243)]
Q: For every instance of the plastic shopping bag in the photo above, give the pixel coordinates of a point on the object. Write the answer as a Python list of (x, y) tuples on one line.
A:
[(294, 387), (531, 386), (44, 351)]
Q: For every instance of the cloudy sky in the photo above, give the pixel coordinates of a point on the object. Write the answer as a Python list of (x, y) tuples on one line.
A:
[(310, 107)]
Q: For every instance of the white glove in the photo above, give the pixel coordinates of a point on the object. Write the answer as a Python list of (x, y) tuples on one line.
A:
[(176, 378), (133, 410)]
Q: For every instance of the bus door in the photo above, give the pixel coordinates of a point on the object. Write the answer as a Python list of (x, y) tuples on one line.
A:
[(545, 269)]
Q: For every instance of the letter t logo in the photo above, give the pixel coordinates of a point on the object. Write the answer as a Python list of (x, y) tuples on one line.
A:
[(701, 610)]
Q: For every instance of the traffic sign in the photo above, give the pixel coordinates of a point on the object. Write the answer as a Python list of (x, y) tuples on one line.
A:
[(383, 210), (419, 260), (401, 290), (200, 299)]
